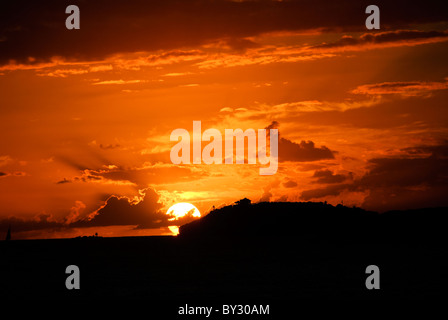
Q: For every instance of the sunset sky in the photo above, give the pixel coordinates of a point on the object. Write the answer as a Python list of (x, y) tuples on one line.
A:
[(87, 114)]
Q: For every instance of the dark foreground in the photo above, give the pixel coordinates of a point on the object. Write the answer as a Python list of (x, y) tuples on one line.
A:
[(241, 269)]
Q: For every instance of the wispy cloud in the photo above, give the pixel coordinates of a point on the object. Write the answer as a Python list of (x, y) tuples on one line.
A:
[(289, 111), (406, 89), (4, 160), (176, 74), (261, 56), (386, 39), (190, 85), (118, 82), (139, 60), (215, 54)]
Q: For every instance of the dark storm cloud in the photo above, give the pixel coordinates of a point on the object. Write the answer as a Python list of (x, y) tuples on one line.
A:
[(116, 211), (399, 183), (299, 152), (303, 151), (37, 28), (409, 182), (123, 211), (327, 176)]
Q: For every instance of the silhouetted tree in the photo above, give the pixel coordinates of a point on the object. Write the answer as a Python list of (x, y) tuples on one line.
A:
[(243, 202)]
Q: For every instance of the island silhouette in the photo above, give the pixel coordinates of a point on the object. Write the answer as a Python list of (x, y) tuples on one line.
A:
[(267, 251), (319, 222)]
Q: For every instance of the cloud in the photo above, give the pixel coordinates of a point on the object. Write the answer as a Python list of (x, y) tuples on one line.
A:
[(332, 190), (65, 72), (266, 196), (303, 151), (63, 67), (75, 212), (189, 85), (260, 56), (232, 44), (176, 74), (113, 27), (143, 212), (4, 160), (219, 54), (299, 152), (408, 182), (106, 82), (63, 181), (240, 44), (98, 177), (283, 198), (139, 177), (291, 112), (412, 170), (14, 174), (406, 89), (228, 52), (327, 176), (109, 146), (273, 125), (385, 39), (290, 184), (39, 222), (136, 61), (417, 179), (101, 68)]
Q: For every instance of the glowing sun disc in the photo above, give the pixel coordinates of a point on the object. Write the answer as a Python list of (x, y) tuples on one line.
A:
[(182, 209)]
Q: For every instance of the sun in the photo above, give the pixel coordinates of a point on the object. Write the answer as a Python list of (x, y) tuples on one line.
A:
[(182, 209)]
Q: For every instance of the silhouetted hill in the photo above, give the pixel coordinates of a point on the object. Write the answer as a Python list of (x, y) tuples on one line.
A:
[(264, 252), (317, 221), (418, 225)]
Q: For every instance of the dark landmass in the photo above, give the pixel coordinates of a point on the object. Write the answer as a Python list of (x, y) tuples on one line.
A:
[(246, 252), (320, 222)]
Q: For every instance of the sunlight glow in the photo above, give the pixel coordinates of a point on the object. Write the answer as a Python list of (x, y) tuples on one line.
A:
[(174, 230), (182, 209)]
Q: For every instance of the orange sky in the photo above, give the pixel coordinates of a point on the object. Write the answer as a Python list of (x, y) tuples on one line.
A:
[(87, 114)]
